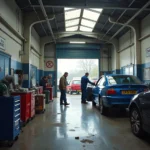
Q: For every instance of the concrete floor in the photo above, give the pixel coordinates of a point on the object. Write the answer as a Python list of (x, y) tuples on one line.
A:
[(57, 128)]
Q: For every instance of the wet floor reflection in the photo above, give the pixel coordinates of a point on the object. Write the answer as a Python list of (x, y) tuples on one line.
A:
[(78, 127)]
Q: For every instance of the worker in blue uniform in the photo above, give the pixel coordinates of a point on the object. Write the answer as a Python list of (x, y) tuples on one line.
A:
[(84, 82)]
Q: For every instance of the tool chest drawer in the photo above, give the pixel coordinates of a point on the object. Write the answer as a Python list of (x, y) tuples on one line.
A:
[(9, 117), (24, 103)]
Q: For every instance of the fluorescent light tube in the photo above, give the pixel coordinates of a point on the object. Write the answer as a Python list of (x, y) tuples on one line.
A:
[(77, 42)]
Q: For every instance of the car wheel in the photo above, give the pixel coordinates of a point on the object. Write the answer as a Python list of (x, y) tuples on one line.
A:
[(70, 92), (136, 122), (103, 109)]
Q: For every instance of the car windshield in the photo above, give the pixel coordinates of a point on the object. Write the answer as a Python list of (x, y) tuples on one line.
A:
[(121, 79), (76, 82)]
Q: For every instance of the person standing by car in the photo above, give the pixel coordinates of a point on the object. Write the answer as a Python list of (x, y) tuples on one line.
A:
[(84, 82), (62, 86)]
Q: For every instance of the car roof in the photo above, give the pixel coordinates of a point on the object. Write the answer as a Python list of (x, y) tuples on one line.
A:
[(76, 78), (117, 75)]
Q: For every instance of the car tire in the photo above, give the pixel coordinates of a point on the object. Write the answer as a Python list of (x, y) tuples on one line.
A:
[(136, 122), (71, 92), (103, 109)]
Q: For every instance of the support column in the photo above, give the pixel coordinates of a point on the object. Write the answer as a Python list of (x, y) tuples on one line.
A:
[(29, 20), (137, 52), (115, 43)]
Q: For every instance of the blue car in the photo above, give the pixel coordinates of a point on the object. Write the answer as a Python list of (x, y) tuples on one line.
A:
[(114, 90)]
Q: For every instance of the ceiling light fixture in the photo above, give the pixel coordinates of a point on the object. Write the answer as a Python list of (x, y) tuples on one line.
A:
[(76, 42)]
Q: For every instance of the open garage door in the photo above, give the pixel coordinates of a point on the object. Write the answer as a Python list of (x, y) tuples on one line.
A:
[(77, 51)]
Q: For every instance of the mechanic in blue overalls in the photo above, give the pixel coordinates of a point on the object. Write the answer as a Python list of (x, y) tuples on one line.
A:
[(84, 82)]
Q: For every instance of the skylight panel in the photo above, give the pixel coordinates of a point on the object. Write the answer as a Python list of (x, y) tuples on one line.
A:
[(85, 29), (88, 23), (97, 9), (75, 28), (72, 22), (72, 14), (67, 8), (91, 15)]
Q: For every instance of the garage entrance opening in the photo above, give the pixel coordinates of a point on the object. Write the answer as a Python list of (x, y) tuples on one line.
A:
[(77, 68)]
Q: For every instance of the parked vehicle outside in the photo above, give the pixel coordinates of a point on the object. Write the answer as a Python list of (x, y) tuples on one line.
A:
[(114, 90), (139, 112), (74, 86)]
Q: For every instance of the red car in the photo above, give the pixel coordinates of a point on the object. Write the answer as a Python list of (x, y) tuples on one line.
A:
[(74, 86)]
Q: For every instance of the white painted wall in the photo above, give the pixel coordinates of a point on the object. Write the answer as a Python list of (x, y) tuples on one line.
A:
[(8, 12), (127, 55), (113, 58), (145, 30), (12, 14), (104, 61), (50, 50), (12, 47), (35, 59), (35, 40)]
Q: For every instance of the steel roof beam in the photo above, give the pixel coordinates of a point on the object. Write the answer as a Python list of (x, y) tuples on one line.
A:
[(46, 18), (96, 6), (119, 18), (131, 19), (55, 18)]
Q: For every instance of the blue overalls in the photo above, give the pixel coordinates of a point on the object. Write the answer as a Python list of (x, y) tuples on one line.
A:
[(84, 82)]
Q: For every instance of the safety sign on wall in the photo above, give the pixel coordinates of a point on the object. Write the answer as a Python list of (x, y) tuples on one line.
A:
[(49, 64)]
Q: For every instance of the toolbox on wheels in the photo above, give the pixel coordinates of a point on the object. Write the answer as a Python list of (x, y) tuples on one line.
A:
[(47, 96), (25, 100), (32, 108), (39, 103), (9, 119)]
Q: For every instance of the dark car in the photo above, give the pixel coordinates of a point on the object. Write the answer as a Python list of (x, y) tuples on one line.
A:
[(139, 112), (114, 90)]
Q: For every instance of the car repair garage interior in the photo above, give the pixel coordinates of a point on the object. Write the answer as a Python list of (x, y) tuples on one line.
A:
[(106, 114)]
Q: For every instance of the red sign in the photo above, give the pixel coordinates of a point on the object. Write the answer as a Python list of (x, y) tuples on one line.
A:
[(49, 64)]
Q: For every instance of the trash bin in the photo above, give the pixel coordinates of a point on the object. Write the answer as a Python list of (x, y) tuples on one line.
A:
[(47, 98)]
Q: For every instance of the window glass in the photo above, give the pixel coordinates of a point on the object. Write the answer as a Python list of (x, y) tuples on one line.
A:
[(101, 82), (76, 82), (121, 79)]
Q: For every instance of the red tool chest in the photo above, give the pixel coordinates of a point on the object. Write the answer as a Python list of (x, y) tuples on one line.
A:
[(51, 92), (32, 101), (39, 103), (40, 90), (25, 100)]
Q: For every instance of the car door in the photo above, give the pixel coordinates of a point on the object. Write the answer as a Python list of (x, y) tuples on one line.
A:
[(145, 105), (101, 85)]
